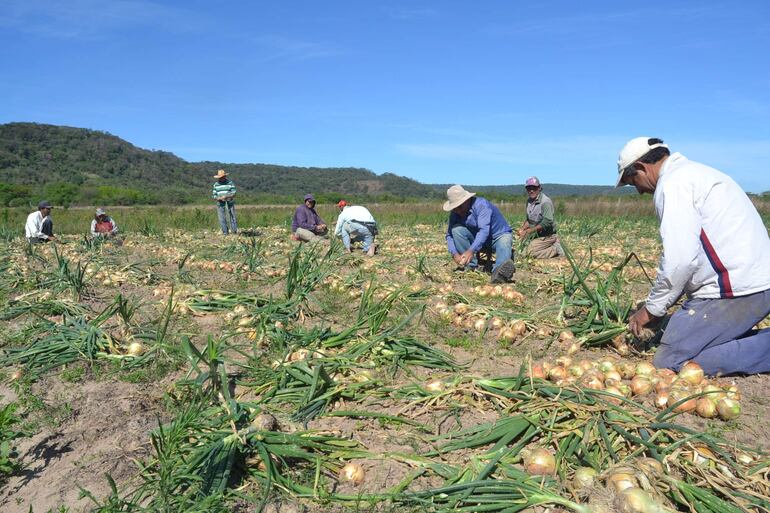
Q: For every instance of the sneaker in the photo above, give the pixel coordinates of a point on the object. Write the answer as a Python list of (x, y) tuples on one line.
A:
[(504, 273)]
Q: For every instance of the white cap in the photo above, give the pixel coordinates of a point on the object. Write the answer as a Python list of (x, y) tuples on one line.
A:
[(634, 150)]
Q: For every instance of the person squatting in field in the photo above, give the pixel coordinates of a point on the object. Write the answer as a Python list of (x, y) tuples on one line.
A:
[(103, 226), (356, 224), (223, 193), (307, 225), (476, 224), (539, 224), (715, 250), (39, 226)]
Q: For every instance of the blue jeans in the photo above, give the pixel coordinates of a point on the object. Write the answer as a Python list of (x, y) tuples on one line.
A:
[(356, 232), (225, 210), (718, 335), (500, 245)]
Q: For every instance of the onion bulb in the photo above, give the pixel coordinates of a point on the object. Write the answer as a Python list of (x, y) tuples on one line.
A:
[(728, 408), (435, 386), (519, 327), (539, 462), (17, 374), (566, 336), (461, 308), (352, 473), (645, 369), (585, 477), (706, 407), (135, 349), (636, 500), (692, 373), (626, 369), (650, 466), (622, 479), (661, 400), (678, 394), (641, 385), (556, 373), (265, 422)]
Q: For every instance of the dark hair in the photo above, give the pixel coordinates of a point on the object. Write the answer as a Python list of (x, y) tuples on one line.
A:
[(655, 155)]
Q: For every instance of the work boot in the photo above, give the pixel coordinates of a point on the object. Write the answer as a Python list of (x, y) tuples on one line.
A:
[(504, 272)]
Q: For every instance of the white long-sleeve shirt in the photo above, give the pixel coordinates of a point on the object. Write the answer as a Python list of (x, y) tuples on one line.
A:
[(353, 213), (715, 245), (34, 226)]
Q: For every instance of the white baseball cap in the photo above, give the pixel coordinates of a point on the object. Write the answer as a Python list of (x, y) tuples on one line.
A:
[(634, 150)]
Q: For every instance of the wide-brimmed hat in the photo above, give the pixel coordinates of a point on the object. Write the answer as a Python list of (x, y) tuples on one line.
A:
[(43, 204), (532, 181), (456, 196), (220, 174), (309, 197), (634, 149), (100, 212)]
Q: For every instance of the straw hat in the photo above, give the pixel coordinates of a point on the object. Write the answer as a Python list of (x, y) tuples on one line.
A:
[(456, 196), (220, 174)]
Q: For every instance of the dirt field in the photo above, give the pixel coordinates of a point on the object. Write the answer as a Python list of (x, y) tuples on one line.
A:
[(251, 306)]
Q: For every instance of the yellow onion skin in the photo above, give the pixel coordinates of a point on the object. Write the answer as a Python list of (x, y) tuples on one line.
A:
[(627, 370), (706, 407), (728, 408), (353, 473), (677, 394), (636, 500), (540, 462), (692, 373), (641, 385), (620, 480), (557, 373), (585, 477), (645, 369), (135, 349), (650, 466), (661, 399), (714, 392), (537, 372)]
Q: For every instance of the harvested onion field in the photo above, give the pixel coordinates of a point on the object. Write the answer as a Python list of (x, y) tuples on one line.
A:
[(186, 371)]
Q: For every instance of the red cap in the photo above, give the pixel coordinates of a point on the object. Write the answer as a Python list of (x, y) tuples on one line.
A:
[(342, 203)]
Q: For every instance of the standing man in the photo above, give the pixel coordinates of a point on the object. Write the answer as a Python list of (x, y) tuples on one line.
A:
[(307, 225), (39, 227), (476, 224), (540, 223), (715, 250), (224, 194), (356, 224)]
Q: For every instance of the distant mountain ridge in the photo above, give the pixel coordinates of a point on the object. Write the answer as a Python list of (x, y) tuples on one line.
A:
[(80, 166)]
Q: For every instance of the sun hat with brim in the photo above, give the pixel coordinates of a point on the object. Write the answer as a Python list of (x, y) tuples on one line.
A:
[(100, 212), (43, 204), (220, 174), (456, 196), (634, 150)]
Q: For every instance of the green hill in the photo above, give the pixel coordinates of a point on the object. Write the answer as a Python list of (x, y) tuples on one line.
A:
[(79, 166)]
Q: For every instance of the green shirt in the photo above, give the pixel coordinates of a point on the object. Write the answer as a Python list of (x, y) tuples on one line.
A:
[(540, 211)]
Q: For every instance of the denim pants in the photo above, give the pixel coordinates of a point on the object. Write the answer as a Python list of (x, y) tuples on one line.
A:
[(356, 232), (718, 335), (501, 245), (225, 210)]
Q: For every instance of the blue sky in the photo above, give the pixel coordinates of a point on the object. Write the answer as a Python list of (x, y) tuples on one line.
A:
[(479, 93)]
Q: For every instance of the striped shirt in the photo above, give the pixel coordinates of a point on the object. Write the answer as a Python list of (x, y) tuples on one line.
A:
[(222, 190)]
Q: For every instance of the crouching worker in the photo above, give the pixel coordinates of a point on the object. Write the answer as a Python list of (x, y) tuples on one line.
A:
[(476, 224), (715, 250), (540, 224), (307, 225), (39, 227), (356, 224), (102, 225)]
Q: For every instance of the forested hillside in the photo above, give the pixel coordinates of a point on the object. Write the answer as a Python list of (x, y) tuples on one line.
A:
[(79, 166)]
